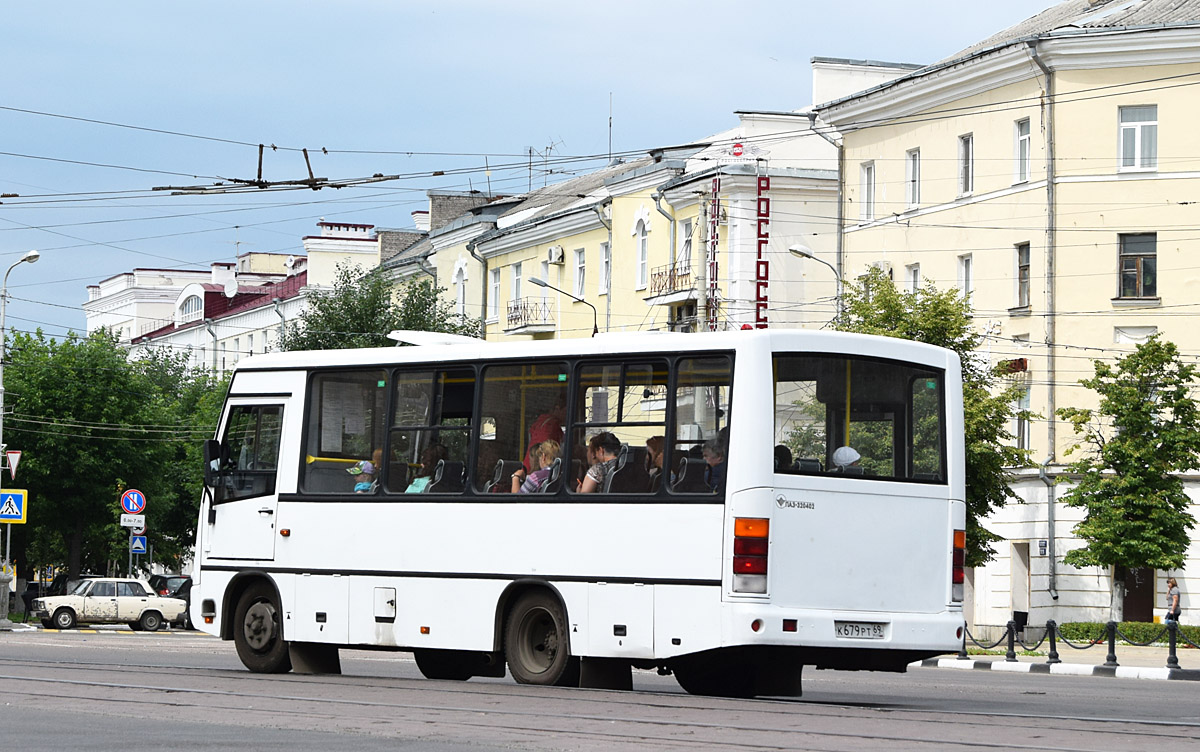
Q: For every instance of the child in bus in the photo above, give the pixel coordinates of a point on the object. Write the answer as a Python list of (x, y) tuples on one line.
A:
[(543, 456), (364, 476)]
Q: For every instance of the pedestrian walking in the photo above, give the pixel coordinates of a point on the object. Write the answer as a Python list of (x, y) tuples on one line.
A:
[(1174, 605)]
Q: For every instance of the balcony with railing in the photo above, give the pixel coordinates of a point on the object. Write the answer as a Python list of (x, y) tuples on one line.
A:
[(529, 316), (672, 283)]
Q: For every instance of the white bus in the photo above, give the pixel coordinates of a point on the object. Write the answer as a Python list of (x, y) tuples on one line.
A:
[(696, 511)]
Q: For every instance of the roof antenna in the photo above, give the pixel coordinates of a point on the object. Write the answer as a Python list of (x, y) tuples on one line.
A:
[(610, 127)]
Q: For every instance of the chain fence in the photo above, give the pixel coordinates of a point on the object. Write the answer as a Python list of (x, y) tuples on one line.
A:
[(1054, 636)]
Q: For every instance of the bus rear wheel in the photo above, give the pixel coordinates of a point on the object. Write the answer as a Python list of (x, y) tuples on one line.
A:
[(258, 631), (535, 641)]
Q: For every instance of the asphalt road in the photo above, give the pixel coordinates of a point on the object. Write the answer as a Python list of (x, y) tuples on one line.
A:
[(120, 690)]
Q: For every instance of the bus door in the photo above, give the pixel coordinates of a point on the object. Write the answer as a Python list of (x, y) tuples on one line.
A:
[(241, 522)]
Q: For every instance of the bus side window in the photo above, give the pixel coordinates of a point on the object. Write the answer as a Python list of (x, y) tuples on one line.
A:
[(430, 434), (620, 407), (252, 441), (346, 423), (522, 434), (700, 455)]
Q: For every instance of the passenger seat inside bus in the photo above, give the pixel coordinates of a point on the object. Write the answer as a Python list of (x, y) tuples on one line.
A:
[(501, 480), (554, 479), (806, 465), (630, 475), (690, 477), (447, 478)]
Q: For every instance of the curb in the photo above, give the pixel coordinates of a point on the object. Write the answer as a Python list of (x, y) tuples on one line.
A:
[(1064, 669), (125, 632)]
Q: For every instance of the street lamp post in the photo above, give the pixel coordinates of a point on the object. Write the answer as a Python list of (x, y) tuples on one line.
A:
[(805, 252), (5, 577), (595, 316)]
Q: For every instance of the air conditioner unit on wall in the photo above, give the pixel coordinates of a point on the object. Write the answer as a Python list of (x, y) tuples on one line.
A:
[(555, 255)]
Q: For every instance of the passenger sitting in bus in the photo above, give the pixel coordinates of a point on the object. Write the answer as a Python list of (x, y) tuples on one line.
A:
[(655, 448), (433, 454), (544, 455), (714, 455), (602, 452), (545, 427), (364, 476), (844, 457), (783, 459)]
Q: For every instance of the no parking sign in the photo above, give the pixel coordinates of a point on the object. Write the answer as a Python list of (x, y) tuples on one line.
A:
[(133, 501)]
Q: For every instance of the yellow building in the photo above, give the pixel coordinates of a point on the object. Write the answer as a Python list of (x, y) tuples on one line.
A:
[(1047, 172)]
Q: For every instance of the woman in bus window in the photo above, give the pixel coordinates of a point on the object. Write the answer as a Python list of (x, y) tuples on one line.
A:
[(433, 454), (544, 455), (602, 456), (655, 447), (714, 455)]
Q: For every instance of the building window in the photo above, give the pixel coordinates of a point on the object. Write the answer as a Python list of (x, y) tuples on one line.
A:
[(494, 305), (912, 277), (249, 344), (516, 281), (966, 164), (1139, 255), (237, 349), (1023, 275), (605, 267), (684, 258), (866, 201), (966, 274), (460, 292), (580, 272), (643, 256), (1139, 137), (192, 309), (1022, 152), (1023, 422), (912, 177)]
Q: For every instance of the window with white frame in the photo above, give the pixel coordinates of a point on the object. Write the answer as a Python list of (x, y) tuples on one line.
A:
[(1022, 433), (460, 292), (192, 309), (580, 270), (1139, 137), (1022, 275), (605, 267), (683, 260), (250, 344), (912, 277), (494, 305), (866, 198), (966, 274), (1022, 153), (237, 349), (643, 255), (966, 164), (516, 281), (912, 177)]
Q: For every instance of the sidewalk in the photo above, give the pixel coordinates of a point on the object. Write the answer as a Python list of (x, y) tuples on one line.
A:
[(1133, 662)]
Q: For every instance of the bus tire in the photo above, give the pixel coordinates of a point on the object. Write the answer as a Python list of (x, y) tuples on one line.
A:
[(258, 631), (535, 641), (715, 673), (449, 665)]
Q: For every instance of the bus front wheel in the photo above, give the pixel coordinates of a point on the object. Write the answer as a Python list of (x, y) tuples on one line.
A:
[(535, 641), (258, 631)]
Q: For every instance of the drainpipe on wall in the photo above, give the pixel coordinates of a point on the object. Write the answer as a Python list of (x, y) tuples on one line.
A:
[(841, 211), (608, 295), (670, 219), (1051, 322), (212, 333), (282, 318), (483, 301)]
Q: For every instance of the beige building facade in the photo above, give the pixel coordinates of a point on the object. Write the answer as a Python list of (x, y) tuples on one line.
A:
[(1047, 174)]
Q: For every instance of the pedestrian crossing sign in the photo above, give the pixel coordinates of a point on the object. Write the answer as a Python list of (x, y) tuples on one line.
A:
[(13, 505)]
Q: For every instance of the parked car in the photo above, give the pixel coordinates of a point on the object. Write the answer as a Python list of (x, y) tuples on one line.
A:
[(108, 600), (184, 591), (168, 584)]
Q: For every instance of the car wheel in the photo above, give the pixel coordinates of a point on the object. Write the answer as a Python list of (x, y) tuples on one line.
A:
[(151, 621), (258, 631), (64, 618), (535, 640)]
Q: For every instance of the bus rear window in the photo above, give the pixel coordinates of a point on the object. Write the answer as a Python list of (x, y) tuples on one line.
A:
[(859, 417)]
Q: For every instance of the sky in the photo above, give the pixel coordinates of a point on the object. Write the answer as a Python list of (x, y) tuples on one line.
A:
[(101, 103)]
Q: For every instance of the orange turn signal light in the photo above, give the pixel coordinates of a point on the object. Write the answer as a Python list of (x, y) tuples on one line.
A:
[(424, 630), (960, 538), (285, 531), (751, 527)]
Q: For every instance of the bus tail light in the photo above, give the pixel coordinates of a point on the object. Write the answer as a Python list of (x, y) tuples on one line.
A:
[(750, 541), (958, 563)]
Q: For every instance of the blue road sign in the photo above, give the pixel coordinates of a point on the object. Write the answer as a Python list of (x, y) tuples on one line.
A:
[(133, 501), (13, 503), (137, 544)]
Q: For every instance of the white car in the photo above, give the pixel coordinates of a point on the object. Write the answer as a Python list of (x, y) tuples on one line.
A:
[(109, 600)]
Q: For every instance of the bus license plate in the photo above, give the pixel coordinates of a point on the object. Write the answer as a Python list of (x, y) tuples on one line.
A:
[(858, 630)]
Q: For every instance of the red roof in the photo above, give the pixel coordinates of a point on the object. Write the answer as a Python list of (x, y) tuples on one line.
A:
[(217, 306)]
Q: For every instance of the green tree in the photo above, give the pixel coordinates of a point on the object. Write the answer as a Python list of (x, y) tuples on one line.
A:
[(360, 309), (943, 318), (92, 424), (1129, 483)]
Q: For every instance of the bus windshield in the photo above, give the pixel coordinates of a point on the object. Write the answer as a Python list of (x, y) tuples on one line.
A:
[(858, 416)]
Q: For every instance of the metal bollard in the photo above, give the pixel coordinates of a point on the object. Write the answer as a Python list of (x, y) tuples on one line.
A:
[(1110, 661), (1172, 658), (1052, 632), (1011, 655)]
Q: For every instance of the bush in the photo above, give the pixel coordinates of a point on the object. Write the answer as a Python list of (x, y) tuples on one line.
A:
[(1136, 631)]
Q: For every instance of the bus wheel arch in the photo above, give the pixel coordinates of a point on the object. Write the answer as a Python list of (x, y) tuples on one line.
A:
[(536, 636)]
